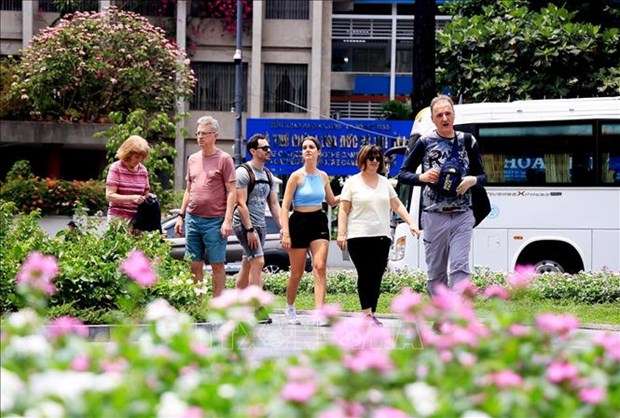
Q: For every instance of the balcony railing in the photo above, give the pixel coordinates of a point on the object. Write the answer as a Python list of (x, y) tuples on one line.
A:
[(355, 110)]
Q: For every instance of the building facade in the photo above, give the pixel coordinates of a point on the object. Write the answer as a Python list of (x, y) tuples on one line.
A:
[(301, 59)]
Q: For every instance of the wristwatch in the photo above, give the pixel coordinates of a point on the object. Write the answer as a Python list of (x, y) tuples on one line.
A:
[(181, 215), (251, 229)]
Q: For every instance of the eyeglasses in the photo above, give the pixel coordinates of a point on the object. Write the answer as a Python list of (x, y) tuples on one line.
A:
[(265, 148), (201, 133), (376, 158)]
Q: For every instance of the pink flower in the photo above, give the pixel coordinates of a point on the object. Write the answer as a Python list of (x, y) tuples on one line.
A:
[(138, 267), (300, 392), (371, 359), (518, 330), (37, 272), (611, 344), (199, 348), (560, 371), (66, 325), (467, 359), (556, 324), (506, 379), (387, 412), (358, 333), (466, 288), (406, 304), (592, 395), (193, 412), (452, 303), (521, 277), (300, 373), (328, 312), (114, 366), (496, 291), (80, 363)]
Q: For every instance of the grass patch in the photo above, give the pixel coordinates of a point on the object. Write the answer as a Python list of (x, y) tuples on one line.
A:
[(602, 313)]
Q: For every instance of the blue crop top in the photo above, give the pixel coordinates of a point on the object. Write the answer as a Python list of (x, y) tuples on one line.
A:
[(311, 192)]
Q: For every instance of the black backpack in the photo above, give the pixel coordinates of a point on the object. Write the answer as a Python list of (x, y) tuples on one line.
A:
[(253, 180)]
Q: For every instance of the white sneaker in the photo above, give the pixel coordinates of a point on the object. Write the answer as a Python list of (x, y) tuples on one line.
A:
[(291, 316)]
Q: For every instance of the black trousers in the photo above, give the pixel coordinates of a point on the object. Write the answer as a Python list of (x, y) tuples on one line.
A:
[(370, 257)]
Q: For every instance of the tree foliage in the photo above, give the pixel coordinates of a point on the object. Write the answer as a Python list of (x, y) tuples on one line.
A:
[(506, 50), (159, 130), (91, 64)]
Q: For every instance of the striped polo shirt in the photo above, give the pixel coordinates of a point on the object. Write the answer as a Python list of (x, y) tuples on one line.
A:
[(126, 182)]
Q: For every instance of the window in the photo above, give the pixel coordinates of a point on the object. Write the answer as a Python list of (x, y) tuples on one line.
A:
[(81, 5), (287, 9), (404, 56), (149, 7), (538, 155), (360, 55), (215, 86), (610, 153), (14, 5), (285, 82)]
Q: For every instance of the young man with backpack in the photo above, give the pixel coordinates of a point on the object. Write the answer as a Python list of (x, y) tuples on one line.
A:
[(255, 189), (451, 166)]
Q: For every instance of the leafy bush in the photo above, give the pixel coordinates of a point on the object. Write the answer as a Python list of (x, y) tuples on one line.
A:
[(88, 262), (91, 64), (600, 287), (10, 105), (159, 130), (396, 110), (51, 196)]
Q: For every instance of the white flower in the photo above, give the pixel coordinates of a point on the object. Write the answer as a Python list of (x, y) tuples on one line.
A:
[(188, 382), (241, 314), (475, 414), (9, 389), (159, 308), (68, 385), (46, 409), (24, 318), (228, 298), (170, 405), (172, 325), (251, 293), (28, 346), (423, 397), (375, 396), (200, 290), (226, 391)]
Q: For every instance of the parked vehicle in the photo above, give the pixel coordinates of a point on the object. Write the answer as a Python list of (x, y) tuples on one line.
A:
[(553, 177), (276, 258)]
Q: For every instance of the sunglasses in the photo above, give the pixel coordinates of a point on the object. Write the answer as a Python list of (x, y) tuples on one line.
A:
[(265, 148), (376, 158)]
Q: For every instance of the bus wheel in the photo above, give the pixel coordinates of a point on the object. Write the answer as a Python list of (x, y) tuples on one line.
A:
[(548, 266), (551, 256)]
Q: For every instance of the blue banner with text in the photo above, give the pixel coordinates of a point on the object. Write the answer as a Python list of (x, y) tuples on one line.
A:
[(340, 141)]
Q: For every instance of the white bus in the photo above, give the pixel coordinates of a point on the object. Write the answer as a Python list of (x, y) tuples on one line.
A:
[(553, 178)]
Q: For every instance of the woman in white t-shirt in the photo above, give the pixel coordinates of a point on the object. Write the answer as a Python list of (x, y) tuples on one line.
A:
[(364, 224)]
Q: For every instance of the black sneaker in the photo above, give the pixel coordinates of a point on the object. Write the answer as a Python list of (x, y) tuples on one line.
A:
[(262, 316)]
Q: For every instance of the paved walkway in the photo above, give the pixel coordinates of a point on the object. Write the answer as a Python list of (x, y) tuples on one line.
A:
[(280, 339)]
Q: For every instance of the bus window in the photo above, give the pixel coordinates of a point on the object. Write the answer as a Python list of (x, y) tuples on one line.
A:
[(538, 155), (610, 153)]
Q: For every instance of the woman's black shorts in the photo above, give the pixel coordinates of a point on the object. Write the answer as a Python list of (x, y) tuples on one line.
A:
[(305, 227)]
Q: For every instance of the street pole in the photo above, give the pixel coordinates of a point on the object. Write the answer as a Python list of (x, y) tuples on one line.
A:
[(238, 93)]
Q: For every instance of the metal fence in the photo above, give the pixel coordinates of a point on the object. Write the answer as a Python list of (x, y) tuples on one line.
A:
[(356, 110), (287, 9)]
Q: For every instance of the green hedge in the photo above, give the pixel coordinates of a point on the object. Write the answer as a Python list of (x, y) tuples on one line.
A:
[(88, 261)]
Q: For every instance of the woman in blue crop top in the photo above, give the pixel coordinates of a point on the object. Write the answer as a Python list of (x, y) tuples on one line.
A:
[(306, 228)]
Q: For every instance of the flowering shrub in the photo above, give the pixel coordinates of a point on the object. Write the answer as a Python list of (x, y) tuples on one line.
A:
[(225, 10), (91, 64), (51, 196), (461, 366)]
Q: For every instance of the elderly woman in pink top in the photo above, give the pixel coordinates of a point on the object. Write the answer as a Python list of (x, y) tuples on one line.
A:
[(127, 184)]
